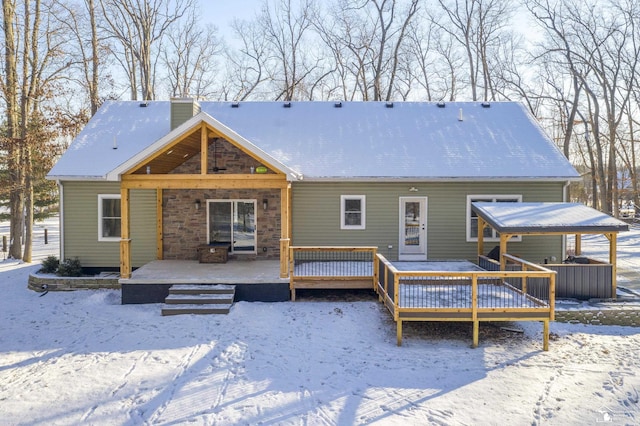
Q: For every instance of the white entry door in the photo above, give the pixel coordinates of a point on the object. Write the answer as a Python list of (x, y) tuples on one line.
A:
[(413, 228)]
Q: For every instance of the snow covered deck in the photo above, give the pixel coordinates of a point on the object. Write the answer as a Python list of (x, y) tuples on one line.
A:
[(462, 291)]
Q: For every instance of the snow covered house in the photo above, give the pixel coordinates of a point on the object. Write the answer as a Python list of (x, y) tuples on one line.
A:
[(162, 179)]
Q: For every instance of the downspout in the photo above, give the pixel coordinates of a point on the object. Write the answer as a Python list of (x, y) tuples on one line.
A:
[(61, 218)]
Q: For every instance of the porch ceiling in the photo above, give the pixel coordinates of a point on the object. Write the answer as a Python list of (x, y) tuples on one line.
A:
[(174, 155)]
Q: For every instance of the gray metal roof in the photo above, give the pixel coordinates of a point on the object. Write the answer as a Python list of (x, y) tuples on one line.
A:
[(357, 140), (538, 218)]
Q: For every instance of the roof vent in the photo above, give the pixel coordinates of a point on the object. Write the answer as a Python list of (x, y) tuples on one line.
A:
[(144, 104), (460, 116), (486, 105), (337, 105), (235, 105), (441, 104), (389, 105), (287, 104)]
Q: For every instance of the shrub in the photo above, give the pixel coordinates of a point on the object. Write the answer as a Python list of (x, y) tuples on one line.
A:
[(49, 265), (70, 268)]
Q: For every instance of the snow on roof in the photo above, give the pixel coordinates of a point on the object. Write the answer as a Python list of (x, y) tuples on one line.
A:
[(413, 140), (522, 218)]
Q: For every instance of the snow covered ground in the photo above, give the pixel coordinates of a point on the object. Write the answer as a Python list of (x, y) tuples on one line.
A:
[(80, 357)]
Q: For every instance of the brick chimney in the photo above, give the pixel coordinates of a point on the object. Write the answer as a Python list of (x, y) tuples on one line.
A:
[(182, 109)]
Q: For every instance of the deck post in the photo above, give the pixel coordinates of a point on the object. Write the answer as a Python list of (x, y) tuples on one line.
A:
[(545, 335), (284, 257), (476, 333), (474, 309), (292, 287), (399, 332)]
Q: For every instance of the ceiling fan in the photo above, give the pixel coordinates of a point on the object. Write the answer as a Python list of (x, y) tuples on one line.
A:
[(216, 169)]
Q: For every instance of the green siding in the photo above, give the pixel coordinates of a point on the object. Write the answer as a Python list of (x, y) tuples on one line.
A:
[(80, 204), (316, 216)]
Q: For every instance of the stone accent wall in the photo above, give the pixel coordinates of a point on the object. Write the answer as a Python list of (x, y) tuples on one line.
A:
[(224, 155), (629, 316), (52, 283), (185, 228)]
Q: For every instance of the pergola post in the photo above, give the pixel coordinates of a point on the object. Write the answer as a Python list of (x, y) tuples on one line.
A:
[(504, 238), (481, 225), (613, 247)]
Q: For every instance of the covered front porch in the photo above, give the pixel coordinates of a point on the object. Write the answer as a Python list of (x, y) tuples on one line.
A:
[(214, 191)]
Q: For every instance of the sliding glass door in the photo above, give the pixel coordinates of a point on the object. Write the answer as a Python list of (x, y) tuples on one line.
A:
[(233, 222)]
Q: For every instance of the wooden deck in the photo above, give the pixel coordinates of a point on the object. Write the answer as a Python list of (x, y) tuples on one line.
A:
[(431, 291), (467, 294), (332, 268)]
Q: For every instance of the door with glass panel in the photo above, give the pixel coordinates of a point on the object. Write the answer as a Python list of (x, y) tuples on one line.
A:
[(413, 228), (232, 222)]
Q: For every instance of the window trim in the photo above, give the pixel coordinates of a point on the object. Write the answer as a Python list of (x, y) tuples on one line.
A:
[(363, 209), (101, 198), (492, 198)]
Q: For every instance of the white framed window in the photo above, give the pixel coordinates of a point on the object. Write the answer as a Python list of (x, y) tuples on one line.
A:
[(472, 217), (352, 211), (109, 217)]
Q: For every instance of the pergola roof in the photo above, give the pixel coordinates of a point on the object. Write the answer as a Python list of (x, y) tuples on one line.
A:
[(546, 218)]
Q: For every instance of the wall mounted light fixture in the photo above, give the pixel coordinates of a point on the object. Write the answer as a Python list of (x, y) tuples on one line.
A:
[(265, 204), (197, 204)]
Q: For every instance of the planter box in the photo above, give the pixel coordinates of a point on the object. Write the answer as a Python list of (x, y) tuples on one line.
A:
[(214, 253)]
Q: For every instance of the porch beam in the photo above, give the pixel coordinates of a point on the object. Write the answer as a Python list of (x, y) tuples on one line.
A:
[(197, 181)]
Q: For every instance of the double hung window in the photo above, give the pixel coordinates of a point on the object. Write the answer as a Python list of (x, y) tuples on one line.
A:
[(352, 212), (109, 217), (472, 218)]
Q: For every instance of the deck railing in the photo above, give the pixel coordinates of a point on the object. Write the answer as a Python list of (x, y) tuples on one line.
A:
[(474, 296), (332, 267)]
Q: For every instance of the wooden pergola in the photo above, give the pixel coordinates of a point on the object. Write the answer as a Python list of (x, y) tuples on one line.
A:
[(511, 219), (152, 171)]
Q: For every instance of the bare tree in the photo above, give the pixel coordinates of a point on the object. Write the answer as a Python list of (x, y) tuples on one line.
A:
[(139, 26), (479, 27), (190, 56), (368, 39), (245, 66), (34, 62)]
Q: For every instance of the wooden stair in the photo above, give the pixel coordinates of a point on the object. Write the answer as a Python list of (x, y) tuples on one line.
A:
[(199, 299)]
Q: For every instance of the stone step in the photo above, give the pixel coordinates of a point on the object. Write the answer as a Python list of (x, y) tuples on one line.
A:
[(202, 289), (187, 309), (199, 299)]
